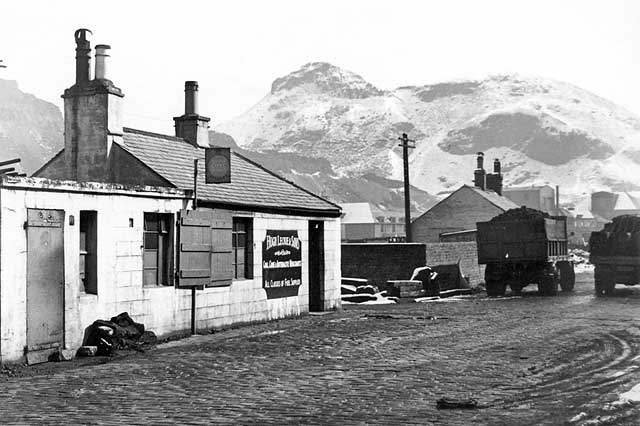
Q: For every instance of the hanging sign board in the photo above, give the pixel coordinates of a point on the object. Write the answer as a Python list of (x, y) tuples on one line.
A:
[(281, 263), (217, 165)]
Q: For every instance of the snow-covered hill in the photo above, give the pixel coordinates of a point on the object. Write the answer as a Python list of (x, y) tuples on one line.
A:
[(544, 131)]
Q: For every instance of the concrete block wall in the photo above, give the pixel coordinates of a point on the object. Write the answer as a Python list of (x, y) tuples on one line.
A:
[(380, 263), (450, 252), (163, 309)]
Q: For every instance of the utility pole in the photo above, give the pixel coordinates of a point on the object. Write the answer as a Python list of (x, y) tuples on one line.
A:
[(406, 143)]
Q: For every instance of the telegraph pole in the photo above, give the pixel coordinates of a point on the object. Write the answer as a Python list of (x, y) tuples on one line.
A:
[(406, 143)]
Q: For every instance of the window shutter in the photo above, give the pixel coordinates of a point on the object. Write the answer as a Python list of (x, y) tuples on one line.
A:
[(194, 248), (249, 250), (222, 251)]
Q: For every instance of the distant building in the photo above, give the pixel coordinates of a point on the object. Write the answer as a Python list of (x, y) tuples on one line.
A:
[(359, 225), (541, 198), (611, 204), (466, 206)]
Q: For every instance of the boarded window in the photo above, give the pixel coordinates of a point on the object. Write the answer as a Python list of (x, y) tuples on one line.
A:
[(242, 248), (89, 251), (157, 257)]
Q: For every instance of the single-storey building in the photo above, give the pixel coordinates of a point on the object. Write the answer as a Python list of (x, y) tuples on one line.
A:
[(115, 223)]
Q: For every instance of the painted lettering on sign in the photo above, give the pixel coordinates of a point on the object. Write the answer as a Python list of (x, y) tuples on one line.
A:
[(281, 264)]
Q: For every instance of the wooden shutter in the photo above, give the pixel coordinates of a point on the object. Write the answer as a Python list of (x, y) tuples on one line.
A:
[(249, 250), (222, 251), (194, 248)]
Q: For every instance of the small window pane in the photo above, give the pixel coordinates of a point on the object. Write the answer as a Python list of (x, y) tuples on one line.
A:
[(150, 241), (150, 222)]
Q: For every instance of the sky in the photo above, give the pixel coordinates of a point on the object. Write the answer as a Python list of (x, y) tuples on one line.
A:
[(235, 49)]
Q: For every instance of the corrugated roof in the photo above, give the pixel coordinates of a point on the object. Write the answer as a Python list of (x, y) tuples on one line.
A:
[(251, 184), (357, 213), (495, 199)]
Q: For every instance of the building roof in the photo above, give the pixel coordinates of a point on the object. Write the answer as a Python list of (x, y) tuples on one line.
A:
[(492, 197), (495, 199), (526, 188), (357, 213), (627, 201), (251, 184)]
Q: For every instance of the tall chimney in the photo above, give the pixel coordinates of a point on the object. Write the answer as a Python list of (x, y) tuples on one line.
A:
[(496, 164), (102, 53), (83, 56), (191, 126), (191, 97), (558, 198), (479, 175), (92, 117)]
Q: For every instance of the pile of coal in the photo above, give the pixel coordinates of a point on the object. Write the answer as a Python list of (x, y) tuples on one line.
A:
[(120, 332), (521, 213), (620, 237)]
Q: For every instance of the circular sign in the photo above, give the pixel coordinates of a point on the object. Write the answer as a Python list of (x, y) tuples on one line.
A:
[(218, 166)]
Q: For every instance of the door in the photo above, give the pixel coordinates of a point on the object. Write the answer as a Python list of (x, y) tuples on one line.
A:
[(316, 266), (45, 283)]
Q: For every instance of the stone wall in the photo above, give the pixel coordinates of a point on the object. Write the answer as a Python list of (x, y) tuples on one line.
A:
[(382, 262)]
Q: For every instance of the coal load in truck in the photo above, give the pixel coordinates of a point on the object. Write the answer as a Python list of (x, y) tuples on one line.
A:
[(524, 246), (615, 253)]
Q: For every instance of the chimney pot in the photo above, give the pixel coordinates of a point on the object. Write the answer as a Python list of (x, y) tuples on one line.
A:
[(480, 160), (102, 53), (496, 166), (190, 97), (83, 56)]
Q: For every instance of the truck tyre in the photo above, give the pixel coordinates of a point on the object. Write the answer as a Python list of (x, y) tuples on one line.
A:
[(604, 281), (493, 281), (567, 276), (549, 282)]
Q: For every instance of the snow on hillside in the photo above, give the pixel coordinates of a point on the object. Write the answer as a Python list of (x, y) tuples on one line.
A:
[(544, 131)]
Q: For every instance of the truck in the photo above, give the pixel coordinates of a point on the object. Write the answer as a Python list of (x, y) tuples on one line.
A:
[(523, 246), (615, 253)]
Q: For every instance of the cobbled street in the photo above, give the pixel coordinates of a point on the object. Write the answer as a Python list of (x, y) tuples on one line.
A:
[(528, 361)]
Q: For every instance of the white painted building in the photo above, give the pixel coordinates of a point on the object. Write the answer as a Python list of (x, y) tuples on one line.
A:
[(108, 226)]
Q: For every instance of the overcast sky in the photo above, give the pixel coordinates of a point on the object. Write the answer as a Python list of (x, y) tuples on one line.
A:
[(235, 49)]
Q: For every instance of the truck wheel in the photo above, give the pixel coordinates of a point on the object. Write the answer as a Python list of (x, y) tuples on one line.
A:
[(567, 276), (604, 282), (495, 288)]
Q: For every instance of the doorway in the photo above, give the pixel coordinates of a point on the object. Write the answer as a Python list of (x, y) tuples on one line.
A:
[(316, 266), (45, 283)]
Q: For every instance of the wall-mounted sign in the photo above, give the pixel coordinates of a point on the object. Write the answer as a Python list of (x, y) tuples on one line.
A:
[(281, 263), (217, 165)]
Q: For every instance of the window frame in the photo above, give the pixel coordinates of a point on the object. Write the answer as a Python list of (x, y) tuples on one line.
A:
[(247, 237), (164, 248)]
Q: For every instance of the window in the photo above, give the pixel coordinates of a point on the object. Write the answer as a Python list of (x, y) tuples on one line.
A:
[(88, 251), (242, 248), (157, 257)]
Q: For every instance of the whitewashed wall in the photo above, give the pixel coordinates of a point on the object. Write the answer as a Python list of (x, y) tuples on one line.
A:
[(164, 310)]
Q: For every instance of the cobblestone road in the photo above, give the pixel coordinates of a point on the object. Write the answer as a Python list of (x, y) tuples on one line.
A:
[(531, 361)]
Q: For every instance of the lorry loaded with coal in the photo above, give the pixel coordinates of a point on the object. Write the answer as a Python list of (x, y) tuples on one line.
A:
[(615, 253), (524, 246)]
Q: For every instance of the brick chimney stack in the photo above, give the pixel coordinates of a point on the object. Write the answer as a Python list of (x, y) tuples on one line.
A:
[(92, 116), (191, 126), (494, 180), (479, 175)]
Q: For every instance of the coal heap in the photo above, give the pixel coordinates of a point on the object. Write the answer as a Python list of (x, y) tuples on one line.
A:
[(521, 214), (620, 237)]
